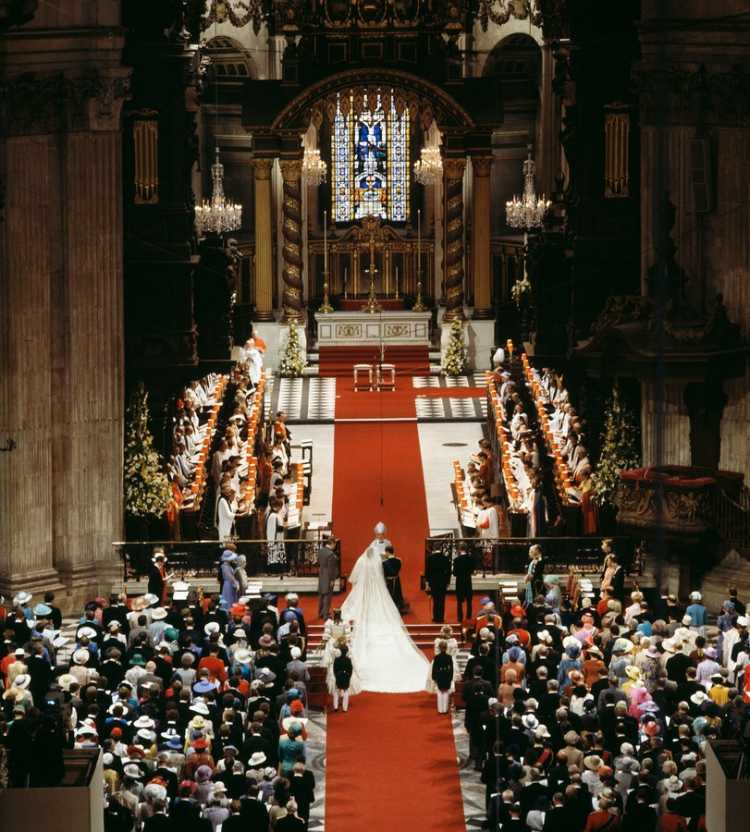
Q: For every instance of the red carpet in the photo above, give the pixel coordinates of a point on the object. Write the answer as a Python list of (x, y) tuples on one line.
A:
[(409, 360), (391, 767), (390, 761)]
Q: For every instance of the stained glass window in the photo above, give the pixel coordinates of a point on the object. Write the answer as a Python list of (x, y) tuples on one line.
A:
[(370, 162)]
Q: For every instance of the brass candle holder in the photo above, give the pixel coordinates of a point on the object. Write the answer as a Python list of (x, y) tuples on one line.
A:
[(325, 307)]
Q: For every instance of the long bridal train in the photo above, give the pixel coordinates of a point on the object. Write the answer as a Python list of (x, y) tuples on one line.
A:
[(386, 658)]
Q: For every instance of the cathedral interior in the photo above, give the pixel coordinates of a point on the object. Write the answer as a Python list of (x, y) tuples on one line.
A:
[(563, 182)]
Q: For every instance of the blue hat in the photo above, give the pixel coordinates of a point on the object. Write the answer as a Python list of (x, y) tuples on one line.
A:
[(174, 743), (228, 555), (203, 687), (292, 693), (42, 610)]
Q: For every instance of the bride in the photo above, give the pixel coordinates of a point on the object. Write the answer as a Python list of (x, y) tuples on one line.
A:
[(386, 659)]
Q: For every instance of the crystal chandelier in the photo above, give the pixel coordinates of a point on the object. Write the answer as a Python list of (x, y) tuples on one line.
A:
[(429, 168), (313, 167), (527, 211), (217, 216)]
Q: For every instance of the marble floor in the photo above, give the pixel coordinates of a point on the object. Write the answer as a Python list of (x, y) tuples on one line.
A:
[(472, 788), (321, 494), (441, 443)]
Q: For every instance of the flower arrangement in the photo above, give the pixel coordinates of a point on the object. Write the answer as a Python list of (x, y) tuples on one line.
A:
[(454, 359), (293, 360), (620, 449), (147, 489), (520, 289)]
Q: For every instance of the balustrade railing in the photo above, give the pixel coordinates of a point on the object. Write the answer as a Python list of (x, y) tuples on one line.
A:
[(201, 558), (510, 555)]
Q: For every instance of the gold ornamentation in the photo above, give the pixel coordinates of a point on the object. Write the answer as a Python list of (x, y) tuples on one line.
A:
[(348, 330)]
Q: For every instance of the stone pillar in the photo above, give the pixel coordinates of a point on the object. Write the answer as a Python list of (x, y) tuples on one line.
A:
[(453, 174), (61, 309), (263, 270), (548, 140), (480, 236), (291, 302)]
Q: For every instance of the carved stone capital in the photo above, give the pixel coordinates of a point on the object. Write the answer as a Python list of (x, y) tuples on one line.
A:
[(291, 169), (33, 103), (263, 168), (481, 165), (454, 168)]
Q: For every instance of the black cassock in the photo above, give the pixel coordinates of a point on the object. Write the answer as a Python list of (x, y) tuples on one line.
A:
[(392, 568)]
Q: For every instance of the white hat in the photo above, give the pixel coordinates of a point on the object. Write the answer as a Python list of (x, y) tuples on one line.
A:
[(200, 707), (295, 652), (292, 597), (22, 681), (243, 656), (132, 771), (742, 621), (257, 759), (159, 614), (379, 528), (81, 656), (212, 627), (66, 680), (114, 625), (149, 599), (144, 722), (696, 596), (21, 598), (89, 632), (699, 697), (239, 633)]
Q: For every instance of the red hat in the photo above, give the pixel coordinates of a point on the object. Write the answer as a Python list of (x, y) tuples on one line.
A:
[(517, 611), (296, 707), (200, 744), (116, 732)]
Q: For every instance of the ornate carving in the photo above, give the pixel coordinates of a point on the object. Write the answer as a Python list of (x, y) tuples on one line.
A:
[(454, 237), (31, 103), (622, 309), (481, 165), (348, 330), (238, 12), (501, 11), (397, 330), (263, 168), (291, 171)]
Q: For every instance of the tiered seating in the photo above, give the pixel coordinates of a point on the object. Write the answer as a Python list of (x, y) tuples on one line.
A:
[(194, 492), (464, 505), (255, 416), (513, 489), (561, 473)]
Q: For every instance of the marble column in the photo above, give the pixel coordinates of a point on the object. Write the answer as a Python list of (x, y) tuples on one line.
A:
[(263, 271), (291, 302), (480, 236), (453, 174)]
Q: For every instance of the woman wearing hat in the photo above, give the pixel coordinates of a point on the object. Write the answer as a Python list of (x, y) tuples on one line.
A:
[(534, 580)]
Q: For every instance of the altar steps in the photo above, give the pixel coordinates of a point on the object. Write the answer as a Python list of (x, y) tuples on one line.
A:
[(338, 361), (423, 635)]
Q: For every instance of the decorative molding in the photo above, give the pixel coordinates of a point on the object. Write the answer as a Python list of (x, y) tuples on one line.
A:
[(453, 169), (291, 169), (32, 103), (500, 12), (481, 165), (237, 12), (263, 168)]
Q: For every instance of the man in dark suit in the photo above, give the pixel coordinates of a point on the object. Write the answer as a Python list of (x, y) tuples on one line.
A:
[(328, 572), (463, 566), (438, 576)]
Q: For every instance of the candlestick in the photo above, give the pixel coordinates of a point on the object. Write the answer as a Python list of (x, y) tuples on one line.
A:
[(396, 295), (325, 243), (418, 304), (346, 282)]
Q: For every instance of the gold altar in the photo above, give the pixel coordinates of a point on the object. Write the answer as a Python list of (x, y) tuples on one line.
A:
[(395, 254)]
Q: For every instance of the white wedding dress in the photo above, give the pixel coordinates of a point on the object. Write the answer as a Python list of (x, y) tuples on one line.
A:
[(385, 657)]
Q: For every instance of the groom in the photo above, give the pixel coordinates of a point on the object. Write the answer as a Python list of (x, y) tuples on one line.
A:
[(391, 570)]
